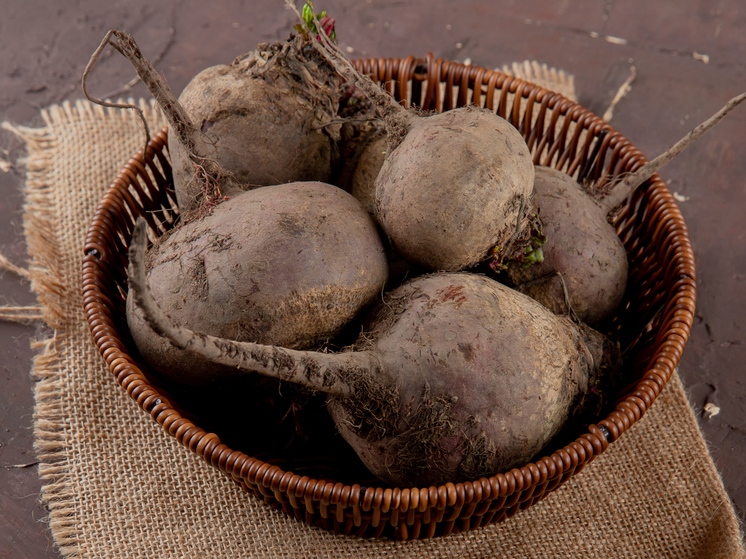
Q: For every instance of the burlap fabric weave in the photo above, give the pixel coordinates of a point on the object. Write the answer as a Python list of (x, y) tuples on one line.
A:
[(117, 485)]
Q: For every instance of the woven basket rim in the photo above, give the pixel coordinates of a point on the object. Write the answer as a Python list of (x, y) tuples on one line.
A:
[(517, 488)]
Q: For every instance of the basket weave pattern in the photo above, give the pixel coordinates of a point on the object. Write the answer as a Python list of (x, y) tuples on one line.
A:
[(653, 321)]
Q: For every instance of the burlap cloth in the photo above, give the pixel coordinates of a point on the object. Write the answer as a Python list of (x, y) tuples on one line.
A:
[(117, 485)]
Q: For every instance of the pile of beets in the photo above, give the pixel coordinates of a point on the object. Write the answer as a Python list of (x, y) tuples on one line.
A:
[(416, 273)]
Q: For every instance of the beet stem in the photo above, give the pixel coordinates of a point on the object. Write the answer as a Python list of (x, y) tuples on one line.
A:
[(323, 372), (389, 109), (180, 124), (89, 67), (625, 187)]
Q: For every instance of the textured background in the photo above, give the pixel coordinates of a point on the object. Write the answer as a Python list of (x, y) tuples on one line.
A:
[(690, 59)]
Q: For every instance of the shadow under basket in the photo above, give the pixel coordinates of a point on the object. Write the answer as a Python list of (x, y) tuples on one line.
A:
[(652, 324)]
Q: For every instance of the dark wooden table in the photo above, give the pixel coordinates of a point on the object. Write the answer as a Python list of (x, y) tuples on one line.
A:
[(690, 58)]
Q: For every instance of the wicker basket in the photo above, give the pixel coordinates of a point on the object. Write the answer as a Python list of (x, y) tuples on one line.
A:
[(653, 323)]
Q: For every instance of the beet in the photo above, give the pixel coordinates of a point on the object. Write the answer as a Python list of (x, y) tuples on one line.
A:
[(453, 185), (454, 188), (457, 377), (581, 245), (267, 118), (288, 265), (479, 381)]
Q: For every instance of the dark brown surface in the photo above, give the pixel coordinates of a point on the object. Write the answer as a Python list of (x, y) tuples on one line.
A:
[(46, 47)]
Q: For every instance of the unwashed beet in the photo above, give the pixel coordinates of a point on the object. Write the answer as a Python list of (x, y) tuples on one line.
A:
[(453, 185), (267, 117), (288, 265), (585, 264), (479, 380), (580, 244)]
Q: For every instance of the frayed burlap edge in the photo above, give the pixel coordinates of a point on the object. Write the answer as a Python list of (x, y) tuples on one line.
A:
[(39, 219), (49, 437)]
